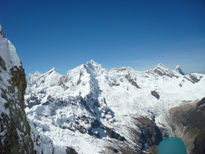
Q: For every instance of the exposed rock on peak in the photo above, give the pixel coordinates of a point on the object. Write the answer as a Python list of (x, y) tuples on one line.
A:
[(179, 70), (162, 70), (52, 70), (161, 66), (1, 32)]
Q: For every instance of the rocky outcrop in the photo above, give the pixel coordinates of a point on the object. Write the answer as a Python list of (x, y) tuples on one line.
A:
[(150, 135), (155, 94), (1, 32), (15, 136), (162, 70), (179, 70), (132, 81), (70, 151), (187, 123), (146, 136), (192, 78)]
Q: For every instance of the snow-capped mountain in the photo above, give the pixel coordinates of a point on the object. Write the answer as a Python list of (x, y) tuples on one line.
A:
[(93, 110)]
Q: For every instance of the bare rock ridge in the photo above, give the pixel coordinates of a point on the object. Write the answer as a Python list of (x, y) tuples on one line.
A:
[(15, 135)]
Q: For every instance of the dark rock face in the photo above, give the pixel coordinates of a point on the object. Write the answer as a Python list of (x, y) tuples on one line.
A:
[(15, 130), (2, 65), (150, 134), (193, 78), (112, 134), (70, 151), (1, 32), (155, 94), (146, 136), (132, 81), (179, 70), (188, 123), (162, 72), (201, 104)]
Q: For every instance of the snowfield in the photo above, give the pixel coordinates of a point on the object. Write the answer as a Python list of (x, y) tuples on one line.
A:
[(81, 108)]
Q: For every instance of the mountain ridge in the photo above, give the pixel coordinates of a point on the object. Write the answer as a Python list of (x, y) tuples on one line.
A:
[(91, 104), (94, 63)]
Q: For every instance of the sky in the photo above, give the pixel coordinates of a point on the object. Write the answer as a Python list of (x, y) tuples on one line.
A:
[(115, 33)]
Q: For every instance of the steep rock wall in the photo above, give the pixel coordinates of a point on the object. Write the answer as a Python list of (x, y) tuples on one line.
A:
[(187, 122), (14, 128)]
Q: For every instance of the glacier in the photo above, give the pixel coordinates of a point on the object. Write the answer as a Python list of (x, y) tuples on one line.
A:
[(91, 109)]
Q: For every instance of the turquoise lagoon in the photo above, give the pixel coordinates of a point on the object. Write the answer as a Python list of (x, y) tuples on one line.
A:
[(172, 145)]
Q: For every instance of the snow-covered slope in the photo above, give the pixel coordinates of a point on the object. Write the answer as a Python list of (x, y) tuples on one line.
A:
[(91, 109)]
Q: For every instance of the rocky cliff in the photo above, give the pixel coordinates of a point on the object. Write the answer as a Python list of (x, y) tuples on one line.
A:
[(187, 122), (15, 134)]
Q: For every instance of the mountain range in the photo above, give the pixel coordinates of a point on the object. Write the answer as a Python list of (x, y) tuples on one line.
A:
[(91, 107), (93, 110)]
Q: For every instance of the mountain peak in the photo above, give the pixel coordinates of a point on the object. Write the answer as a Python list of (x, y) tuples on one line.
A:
[(162, 70), (179, 70), (92, 62), (52, 70), (161, 66), (94, 68)]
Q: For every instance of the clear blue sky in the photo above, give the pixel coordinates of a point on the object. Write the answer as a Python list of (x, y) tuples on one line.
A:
[(137, 33)]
